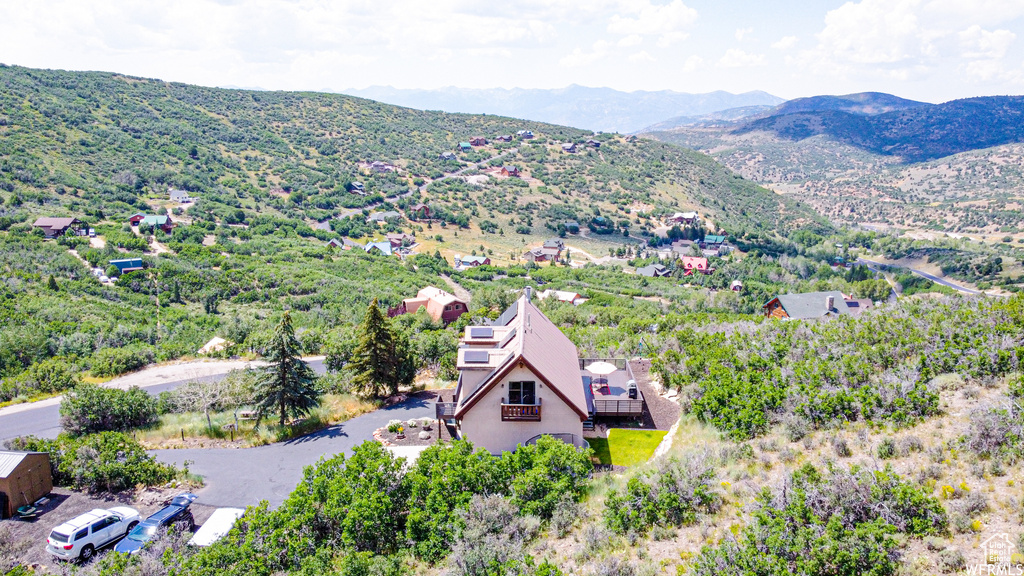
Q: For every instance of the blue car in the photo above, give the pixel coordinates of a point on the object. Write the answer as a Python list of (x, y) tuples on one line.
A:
[(176, 513)]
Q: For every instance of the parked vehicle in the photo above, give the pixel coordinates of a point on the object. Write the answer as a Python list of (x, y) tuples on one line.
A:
[(216, 526), (176, 513), (84, 535)]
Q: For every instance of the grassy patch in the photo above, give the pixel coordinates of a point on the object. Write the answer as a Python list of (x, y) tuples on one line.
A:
[(334, 408), (626, 447)]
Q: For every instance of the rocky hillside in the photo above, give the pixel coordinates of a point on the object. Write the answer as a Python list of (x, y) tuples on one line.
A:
[(952, 167)]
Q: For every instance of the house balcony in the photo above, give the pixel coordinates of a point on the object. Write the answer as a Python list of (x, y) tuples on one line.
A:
[(520, 412)]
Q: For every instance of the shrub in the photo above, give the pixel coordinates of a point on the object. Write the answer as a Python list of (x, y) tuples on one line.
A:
[(951, 560), (117, 361), (673, 495), (567, 512), (841, 448), (108, 461), (90, 408), (887, 448), (544, 472), (46, 377), (839, 524), (492, 540)]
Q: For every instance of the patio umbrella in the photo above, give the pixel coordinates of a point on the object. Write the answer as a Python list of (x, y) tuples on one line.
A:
[(602, 368)]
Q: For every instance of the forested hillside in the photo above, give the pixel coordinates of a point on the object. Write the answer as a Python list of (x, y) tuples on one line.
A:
[(98, 144)]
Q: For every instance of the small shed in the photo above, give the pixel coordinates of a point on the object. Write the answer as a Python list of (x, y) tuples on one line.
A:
[(24, 478)]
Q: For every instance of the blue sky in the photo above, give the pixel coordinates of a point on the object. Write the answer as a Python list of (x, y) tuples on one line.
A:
[(932, 50)]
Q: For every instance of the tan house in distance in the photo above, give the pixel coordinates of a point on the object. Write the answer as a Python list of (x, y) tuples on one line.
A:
[(519, 378), (441, 305)]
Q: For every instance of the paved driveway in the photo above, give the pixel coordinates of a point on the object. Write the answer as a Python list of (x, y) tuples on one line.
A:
[(244, 476), (42, 418)]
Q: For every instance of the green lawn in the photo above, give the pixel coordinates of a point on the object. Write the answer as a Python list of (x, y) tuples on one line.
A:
[(626, 447)]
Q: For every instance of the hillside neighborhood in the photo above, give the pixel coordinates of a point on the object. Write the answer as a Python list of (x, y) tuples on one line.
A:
[(265, 332)]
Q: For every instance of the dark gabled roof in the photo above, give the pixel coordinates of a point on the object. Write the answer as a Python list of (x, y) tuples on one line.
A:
[(812, 304)]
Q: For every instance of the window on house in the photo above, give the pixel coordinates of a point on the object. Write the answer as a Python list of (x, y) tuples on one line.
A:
[(522, 393)]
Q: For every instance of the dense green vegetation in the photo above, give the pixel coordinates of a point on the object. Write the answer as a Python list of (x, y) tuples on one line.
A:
[(841, 523), (103, 462), (89, 408), (874, 367), (100, 144)]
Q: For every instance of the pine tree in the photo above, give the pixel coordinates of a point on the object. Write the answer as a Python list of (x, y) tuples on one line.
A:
[(381, 361), (287, 384), (52, 284)]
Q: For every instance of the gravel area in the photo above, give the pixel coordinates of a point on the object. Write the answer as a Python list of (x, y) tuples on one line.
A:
[(65, 504)]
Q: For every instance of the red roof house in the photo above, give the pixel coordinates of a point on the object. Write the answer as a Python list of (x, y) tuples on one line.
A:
[(693, 264)]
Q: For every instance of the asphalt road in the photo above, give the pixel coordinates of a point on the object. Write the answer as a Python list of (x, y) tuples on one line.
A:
[(44, 420), (922, 274), (245, 476)]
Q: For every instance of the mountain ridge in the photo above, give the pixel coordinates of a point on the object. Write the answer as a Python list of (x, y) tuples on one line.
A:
[(600, 108)]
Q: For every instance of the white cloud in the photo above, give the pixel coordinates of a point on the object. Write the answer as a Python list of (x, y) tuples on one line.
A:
[(631, 40), (736, 58), (641, 56), (579, 57), (874, 32), (785, 43), (979, 43), (667, 21), (670, 38), (913, 40), (693, 63), (741, 32)]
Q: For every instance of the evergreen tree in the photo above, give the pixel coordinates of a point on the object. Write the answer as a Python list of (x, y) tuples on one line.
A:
[(52, 284), (287, 384), (382, 361)]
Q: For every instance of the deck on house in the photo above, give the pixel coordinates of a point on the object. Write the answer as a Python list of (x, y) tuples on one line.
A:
[(608, 395)]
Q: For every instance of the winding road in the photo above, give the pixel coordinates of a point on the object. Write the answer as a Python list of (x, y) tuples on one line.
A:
[(877, 266), (42, 418), (233, 476), (326, 224)]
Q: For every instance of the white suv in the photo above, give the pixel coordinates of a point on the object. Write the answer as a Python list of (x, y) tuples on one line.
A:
[(81, 537)]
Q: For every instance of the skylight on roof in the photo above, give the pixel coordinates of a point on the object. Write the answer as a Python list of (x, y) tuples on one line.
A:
[(481, 332), (477, 356)]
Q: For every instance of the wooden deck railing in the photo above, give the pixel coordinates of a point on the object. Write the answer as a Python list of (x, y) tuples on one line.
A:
[(444, 410), (520, 412)]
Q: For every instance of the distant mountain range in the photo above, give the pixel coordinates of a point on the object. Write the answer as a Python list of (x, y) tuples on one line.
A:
[(871, 157), (883, 124), (600, 109)]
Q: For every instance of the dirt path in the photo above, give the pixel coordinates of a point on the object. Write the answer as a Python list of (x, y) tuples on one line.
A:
[(457, 289), (571, 249)]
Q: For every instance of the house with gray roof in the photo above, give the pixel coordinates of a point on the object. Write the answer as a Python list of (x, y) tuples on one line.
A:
[(813, 305), (379, 217), (382, 247), (653, 271)]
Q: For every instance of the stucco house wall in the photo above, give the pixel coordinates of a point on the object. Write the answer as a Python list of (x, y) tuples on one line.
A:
[(483, 426)]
